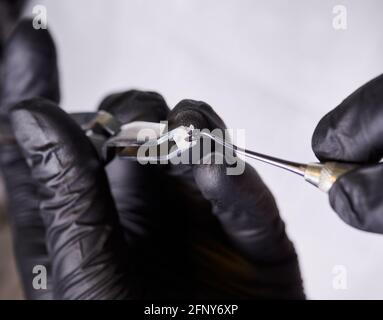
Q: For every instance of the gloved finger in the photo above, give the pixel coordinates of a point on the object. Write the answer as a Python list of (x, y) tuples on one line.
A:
[(246, 210), (75, 203), (356, 198), (134, 186), (135, 105), (10, 11), (141, 192), (29, 69), (243, 203), (353, 130), (29, 66)]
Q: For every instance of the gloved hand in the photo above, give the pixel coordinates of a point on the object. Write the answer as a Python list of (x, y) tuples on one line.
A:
[(135, 231), (353, 132), (28, 69), (151, 230)]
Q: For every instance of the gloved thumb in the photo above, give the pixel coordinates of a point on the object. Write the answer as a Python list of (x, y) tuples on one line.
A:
[(76, 205), (356, 198), (352, 131)]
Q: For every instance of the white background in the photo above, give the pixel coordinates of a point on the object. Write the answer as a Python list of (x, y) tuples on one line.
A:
[(273, 68)]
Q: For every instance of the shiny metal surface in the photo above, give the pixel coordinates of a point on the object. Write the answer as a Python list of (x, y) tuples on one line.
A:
[(321, 175), (295, 167)]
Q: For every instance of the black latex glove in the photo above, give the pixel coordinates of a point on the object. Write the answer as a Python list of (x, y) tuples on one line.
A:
[(29, 69), (353, 132), (151, 230), (10, 11), (176, 232)]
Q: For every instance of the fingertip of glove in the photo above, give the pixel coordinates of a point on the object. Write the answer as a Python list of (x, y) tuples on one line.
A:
[(24, 120), (197, 113), (26, 37), (51, 141), (192, 105), (136, 105), (40, 122), (349, 200), (324, 142), (30, 55), (28, 108)]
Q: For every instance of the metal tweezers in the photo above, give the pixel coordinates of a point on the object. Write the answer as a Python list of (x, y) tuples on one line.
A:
[(125, 141)]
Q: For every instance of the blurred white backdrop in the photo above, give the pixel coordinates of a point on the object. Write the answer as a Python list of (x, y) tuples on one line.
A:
[(273, 68)]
